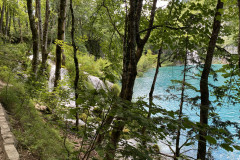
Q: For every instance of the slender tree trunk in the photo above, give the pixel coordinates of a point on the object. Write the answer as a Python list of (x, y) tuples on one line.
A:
[(205, 103), (152, 90), (61, 30), (2, 15), (20, 30), (75, 61), (45, 36), (131, 57), (39, 16), (52, 25), (177, 154), (36, 15), (14, 23), (39, 26), (34, 37), (7, 23), (239, 33)]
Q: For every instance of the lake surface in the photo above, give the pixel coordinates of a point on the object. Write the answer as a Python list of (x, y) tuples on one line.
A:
[(166, 74)]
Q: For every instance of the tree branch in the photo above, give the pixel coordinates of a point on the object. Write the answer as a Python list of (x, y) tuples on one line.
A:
[(111, 20), (166, 155), (150, 25), (159, 26)]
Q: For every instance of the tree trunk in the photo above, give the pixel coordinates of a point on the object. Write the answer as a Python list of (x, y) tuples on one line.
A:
[(45, 36), (177, 153), (9, 25), (7, 22), (239, 33), (151, 91), (20, 30), (75, 61), (39, 16), (14, 22), (2, 15), (34, 37), (205, 103), (131, 57), (52, 22), (60, 36)]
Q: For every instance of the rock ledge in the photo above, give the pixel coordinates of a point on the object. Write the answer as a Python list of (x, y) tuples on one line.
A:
[(7, 140)]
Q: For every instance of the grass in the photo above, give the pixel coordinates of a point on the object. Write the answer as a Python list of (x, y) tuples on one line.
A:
[(41, 138)]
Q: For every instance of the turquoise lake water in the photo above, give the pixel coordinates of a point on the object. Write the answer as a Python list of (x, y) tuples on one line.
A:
[(166, 74)]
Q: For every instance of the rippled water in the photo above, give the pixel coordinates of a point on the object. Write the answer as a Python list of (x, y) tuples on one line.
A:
[(166, 74)]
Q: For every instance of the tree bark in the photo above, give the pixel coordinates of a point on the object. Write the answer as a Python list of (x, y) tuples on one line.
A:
[(205, 103), (34, 37), (45, 36), (131, 56), (75, 61), (60, 36), (239, 33), (14, 23), (20, 30), (39, 16), (7, 23), (2, 15)]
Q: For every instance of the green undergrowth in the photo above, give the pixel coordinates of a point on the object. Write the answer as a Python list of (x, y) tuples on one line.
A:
[(32, 132), (149, 61), (146, 62), (100, 67)]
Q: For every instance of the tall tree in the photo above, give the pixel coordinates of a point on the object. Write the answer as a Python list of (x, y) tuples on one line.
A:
[(75, 61), (60, 36), (45, 36), (2, 15), (7, 23), (20, 26), (39, 23), (205, 102), (20, 30), (35, 40), (132, 51), (39, 17)]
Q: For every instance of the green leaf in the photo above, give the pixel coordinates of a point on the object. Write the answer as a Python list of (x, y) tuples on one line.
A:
[(236, 147), (211, 139), (189, 144), (226, 147), (218, 18), (221, 11), (228, 140), (80, 101)]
